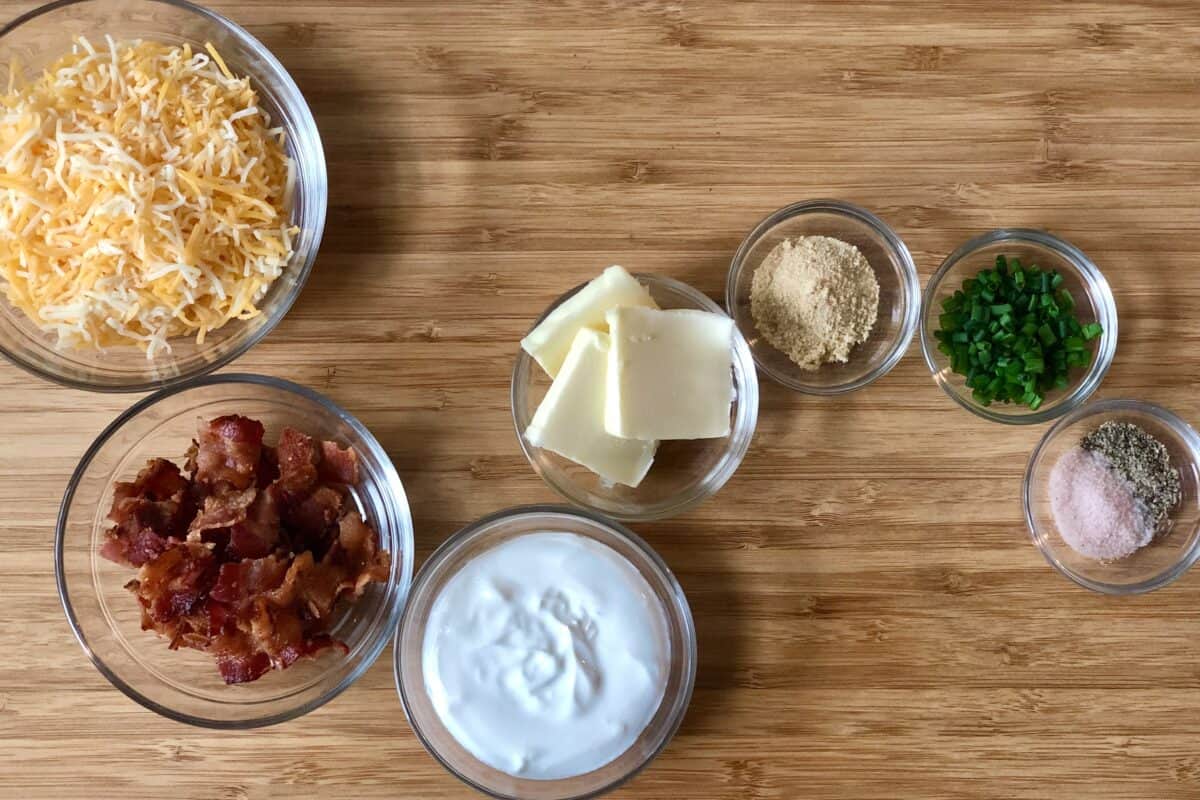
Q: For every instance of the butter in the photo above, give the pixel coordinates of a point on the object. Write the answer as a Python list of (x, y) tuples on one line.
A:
[(570, 419), (549, 342), (669, 374)]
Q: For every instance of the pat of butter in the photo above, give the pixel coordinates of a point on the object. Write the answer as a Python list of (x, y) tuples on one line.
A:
[(549, 342), (669, 374), (570, 419)]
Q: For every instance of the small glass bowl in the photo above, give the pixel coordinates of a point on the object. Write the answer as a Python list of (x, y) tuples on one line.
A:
[(489, 532), (685, 472), (1171, 554), (1094, 303), (899, 294), (184, 684), (45, 34)]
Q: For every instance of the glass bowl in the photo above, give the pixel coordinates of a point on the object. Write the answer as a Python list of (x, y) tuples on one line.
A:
[(1171, 553), (899, 294), (44, 34), (685, 472), (484, 534), (1094, 303), (184, 684)]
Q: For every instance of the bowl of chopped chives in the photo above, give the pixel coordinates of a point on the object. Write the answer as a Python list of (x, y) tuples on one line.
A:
[(1112, 496), (1018, 326)]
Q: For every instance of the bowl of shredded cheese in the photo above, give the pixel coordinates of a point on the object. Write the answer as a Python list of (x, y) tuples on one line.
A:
[(162, 192)]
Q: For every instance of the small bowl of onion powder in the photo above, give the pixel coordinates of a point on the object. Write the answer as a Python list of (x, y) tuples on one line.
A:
[(827, 296)]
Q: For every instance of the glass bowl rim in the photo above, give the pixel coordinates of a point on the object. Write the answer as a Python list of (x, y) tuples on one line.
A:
[(320, 195), (684, 617), (909, 281), (734, 453), (394, 494), (1097, 288), (1177, 425)]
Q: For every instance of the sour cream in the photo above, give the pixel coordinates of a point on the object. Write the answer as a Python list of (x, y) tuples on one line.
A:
[(546, 655)]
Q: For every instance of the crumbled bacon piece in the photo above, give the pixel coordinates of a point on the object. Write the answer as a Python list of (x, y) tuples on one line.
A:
[(338, 465), (149, 513), (239, 582), (237, 659), (170, 586), (298, 456), (364, 560), (310, 519), (246, 556), (221, 511), (268, 467), (159, 480), (310, 584), (258, 533), (228, 451)]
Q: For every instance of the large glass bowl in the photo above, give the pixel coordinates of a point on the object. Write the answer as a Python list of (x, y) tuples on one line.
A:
[(1094, 303), (184, 684), (899, 294), (1171, 553), (685, 472), (41, 36), (487, 533)]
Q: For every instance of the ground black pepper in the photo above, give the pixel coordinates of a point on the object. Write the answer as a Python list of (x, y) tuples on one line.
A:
[(1142, 460)]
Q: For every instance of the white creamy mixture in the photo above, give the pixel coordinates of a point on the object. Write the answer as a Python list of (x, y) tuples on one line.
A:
[(546, 655)]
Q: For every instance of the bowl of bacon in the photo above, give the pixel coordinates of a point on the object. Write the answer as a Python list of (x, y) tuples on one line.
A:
[(234, 552)]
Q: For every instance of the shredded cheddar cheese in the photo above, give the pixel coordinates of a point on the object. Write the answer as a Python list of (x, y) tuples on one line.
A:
[(143, 195)]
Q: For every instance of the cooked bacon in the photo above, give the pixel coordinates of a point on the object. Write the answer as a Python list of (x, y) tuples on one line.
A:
[(249, 557), (159, 480), (228, 451), (258, 533), (173, 583), (313, 646), (236, 659), (278, 631), (240, 582), (221, 511), (268, 467), (309, 520), (149, 512), (358, 544), (298, 456), (135, 540), (310, 585), (338, 465), (345, 570)]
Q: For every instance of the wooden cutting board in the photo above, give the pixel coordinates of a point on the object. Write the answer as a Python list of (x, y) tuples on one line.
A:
[(873, 619)]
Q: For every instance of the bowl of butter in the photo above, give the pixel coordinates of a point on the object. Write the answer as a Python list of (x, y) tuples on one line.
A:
[(634, 395)]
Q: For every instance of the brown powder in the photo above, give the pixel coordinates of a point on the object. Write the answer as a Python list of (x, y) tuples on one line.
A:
[(814, 298)]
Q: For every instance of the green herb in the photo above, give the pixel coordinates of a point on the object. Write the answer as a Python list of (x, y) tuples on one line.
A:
[(1142, 460), (1012, 332)]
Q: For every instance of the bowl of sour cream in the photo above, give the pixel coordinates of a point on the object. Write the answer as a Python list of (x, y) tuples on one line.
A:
[(545, 653)]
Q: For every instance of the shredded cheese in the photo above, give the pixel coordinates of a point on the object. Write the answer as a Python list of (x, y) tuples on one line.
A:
[(143, 195)]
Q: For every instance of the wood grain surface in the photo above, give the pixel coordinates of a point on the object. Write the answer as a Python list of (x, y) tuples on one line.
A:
[(873, 619)]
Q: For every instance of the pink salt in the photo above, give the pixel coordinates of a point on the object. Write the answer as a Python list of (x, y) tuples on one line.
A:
[(1095, 509)]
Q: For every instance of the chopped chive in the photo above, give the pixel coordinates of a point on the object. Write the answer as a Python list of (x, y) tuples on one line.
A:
[(1011, 331)]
